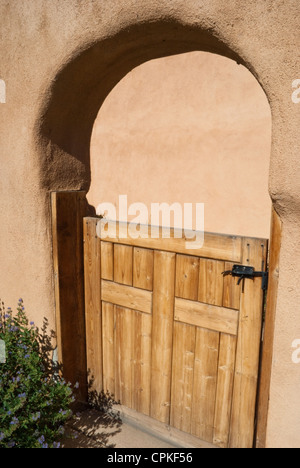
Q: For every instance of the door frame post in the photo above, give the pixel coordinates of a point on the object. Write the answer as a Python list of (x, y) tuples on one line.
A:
[(268, 336), (68, 210)]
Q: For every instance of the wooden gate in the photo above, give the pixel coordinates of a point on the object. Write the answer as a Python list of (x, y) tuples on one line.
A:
[(170, 336)]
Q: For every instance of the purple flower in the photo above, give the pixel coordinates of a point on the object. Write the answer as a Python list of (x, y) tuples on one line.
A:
[(36, 416), (22, 395), (2, 436), (14, 421), (42, 442), (56, 444)]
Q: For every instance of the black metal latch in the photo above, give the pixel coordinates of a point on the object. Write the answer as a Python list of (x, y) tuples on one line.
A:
[(247, 272)]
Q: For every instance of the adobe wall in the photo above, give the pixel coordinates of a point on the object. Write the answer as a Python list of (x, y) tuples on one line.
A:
[(60, 60)]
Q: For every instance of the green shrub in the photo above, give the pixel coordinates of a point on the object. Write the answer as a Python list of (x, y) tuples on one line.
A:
[(34, 398)]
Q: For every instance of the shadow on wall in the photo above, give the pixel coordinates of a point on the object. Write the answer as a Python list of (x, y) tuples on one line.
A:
[(77, 91)]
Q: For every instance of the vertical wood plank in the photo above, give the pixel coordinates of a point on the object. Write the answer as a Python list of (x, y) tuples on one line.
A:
[(248, 349), (205, 383), (92, 283), (267, 352), (211, 281), (108, 325), (162, 334), (123, 355), (141, 362), (231, 292), (182, 376), (107, 261), (143, 268), (123, 264), (68, 211), (187, 277), (117, 355), (226, 368), (136, 352)]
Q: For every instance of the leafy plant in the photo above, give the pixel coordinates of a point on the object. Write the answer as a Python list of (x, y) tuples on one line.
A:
[(34, 398)]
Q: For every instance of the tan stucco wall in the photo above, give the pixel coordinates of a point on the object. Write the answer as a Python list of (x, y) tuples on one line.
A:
[(60, 59), (192, 128)]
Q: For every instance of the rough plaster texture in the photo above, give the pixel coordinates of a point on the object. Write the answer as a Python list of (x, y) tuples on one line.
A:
[(191, 128), (60, 59)]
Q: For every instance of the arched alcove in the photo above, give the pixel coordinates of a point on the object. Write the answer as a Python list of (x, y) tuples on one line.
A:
[(79, 89), (190, 128)]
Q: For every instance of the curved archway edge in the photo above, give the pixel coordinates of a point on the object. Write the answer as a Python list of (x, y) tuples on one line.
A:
[(83, 84)]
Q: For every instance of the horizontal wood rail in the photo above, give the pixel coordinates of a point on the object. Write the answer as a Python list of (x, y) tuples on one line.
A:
[(126, 296), (215, 246), (207, 316)]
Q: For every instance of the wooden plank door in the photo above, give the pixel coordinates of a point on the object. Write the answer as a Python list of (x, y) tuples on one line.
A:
[(170, 337)]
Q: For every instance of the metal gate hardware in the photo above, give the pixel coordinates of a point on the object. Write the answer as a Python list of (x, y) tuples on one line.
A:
[(247, 272)]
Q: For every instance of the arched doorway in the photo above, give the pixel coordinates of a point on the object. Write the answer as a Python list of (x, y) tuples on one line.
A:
[(69, 114)]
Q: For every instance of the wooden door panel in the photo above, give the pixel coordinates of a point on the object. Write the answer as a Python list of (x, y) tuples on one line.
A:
[(178, 340)]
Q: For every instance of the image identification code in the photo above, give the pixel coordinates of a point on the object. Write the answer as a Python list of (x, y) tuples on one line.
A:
[(156, 457)]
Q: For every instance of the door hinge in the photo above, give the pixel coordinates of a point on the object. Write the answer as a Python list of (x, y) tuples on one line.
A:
[(247, 272)]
